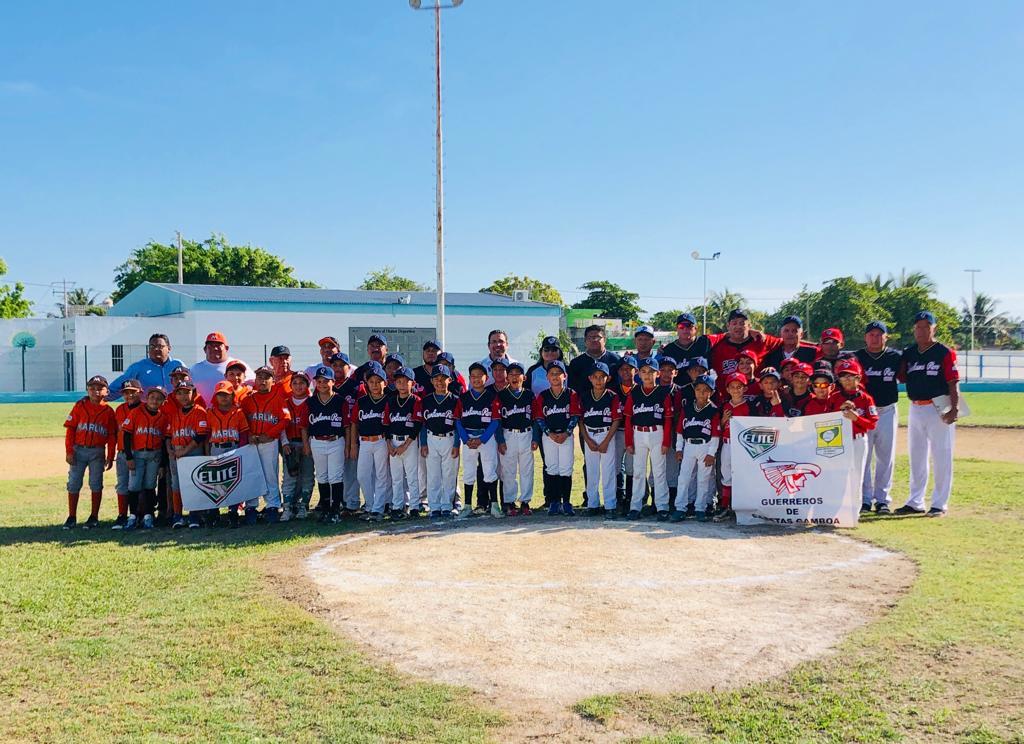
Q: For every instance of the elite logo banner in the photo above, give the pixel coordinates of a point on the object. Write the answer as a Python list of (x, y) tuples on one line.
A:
[(223, 480), (759, 440), (218, 478)]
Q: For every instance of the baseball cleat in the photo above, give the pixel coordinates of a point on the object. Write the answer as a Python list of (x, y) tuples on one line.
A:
[(69, 523), (435, 515), (147, 522), (611, 515), (496, 511), (724, 515), (865, 508), (447, 514), (663, 516), (91, 523), (398, 514), (677, 516), (691, 511), (882, 510), (525, 510), (286, 514), (567, 510), (908, 509), (179, 522), (633, 515), (700, 516), (555, 509), (936, 512), (131, 522), (120, 522)]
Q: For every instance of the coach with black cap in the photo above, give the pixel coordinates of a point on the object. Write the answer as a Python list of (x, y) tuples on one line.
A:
[(281, 363), (376, 350), (431, 348), (791, 331), (881, 365)]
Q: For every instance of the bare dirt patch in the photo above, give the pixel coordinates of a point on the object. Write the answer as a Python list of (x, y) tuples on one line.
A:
[(544, 612)]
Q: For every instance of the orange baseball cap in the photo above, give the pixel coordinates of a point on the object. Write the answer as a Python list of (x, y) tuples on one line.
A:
[(216, 337), (328, 340), (224, 387)]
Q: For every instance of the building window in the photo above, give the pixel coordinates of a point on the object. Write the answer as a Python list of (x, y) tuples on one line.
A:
[(117, 358)]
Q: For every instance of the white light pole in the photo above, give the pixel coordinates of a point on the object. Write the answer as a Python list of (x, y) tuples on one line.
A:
[(437, 7), (181, 262), (974, 300), (697, 257)]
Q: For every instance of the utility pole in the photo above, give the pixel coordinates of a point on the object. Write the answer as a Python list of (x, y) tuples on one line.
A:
[(974, 306), (697, 257), (181, 265)]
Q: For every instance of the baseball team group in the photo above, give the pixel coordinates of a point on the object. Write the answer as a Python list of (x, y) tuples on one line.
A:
[(387, 440)]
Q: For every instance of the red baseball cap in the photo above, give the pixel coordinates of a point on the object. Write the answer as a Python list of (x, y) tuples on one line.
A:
[(786, 362), (750, 354), (224, 387), (736, 377), (832, 334), (328, 340), (803, 367), (235, 363), (216, 338), (848, 367)]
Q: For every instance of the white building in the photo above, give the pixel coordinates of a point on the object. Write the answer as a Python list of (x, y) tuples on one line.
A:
[(254, 320)]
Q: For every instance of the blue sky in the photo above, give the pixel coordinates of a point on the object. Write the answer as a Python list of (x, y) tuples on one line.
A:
[(598, 140)]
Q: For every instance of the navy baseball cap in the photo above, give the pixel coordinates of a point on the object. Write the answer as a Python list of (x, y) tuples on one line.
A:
[(280, 351), (648, 362), (662, 360), (649, 330), (397, 358), (378, 337), (599, 367), (502, 362), (876, 325), (704, 380), (516, 365), (825, 374), (431, 344), (697, 362), (792, 319), (440, 370), (375, 369), (446, 356), (479, 366), (557, 363), (341, 356), (686, 318), (550, 342), (925, 315), (769, 372), (100, 380), (630, 361), (406, 373), (325, 372), (739, 313)]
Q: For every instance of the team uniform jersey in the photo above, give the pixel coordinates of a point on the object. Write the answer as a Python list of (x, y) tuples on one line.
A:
[(185, 427), (299, 417), (794, 404), (761, 406), (422, 378), (816, 405), (369, 415), (122, 414), (929, 372), (725, 353), (91, 425), (327, 419), (698, 423), (599, 413), (478, 411), (241, 392), (699, 347), (267, 413), (805, 352), (867, 413), (440, 414), (170, 404), (145, 428), (833, 362), (515, 411), (649, 408), (579, 370), (557, 412), (227, 427), (734, 409), (351, 389), (403, 417), (880, 375)]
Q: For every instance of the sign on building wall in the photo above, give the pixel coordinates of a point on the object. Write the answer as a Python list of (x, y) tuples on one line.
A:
[(405, 341)]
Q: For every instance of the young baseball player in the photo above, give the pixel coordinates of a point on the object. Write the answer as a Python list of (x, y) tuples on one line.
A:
[(768, 402), (515, 442), (822, 387), (667, 375), (438, 443), (91, 428), (324, 439), (188, 428), (267, 413), (457, 385), (601, 417), (857, 405), (144, 432), (648, 419), (799, 393), (368, 430), (695, 367), (297, 476), (626, 373), (476, 428), (736, 405), (349, 387), (696, 448), (403, 417), (556, 412), (235, 374), (130, 389), (229, 430)]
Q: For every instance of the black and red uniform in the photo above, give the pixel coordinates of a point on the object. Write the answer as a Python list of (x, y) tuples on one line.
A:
[(369, 415), (403, 417), (928, 373), (649, 408), (805, 352), (599, 413)]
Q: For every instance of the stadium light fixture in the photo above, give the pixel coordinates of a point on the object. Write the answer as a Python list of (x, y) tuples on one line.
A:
[(705, 260)]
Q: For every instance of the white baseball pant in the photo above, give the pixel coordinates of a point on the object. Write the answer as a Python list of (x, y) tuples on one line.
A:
[(328, 460), (558, 458), (374, 474), (270, 460), (693, 470), (928, 434), (442, 470), (860, 453), (882, 444), (647, 447), (351, 481), (602, 469), (725, 462), (487, 455), (405, 474), (517, 460)]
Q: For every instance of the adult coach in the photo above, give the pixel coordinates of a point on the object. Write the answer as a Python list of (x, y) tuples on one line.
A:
[(793, 346), (725, 350), (377, 351), (687, 344), (594, 351), (209, 371), (497, 348), (153, 370), (643, 340), (328, 347), (431, 348), (832, 350), (933, 387), (881, 365)]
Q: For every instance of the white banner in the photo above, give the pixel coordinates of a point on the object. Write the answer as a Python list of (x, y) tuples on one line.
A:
[(794, 471), (223, 480)]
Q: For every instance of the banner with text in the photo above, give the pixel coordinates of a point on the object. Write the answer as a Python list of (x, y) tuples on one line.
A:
[(224, 480), (794, 471)]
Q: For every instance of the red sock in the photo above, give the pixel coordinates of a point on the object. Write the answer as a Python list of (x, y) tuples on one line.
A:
[(72, 504), (176, 500), (727, 497), (97, 497), (122, 505)]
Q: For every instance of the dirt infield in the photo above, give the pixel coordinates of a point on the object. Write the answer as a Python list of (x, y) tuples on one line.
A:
[(44, 458), (541, 612)]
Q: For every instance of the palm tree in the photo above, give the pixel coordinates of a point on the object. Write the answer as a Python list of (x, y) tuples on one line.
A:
[(87, 299), (720, 304), (990, 326), (913, 279), (877, 283)]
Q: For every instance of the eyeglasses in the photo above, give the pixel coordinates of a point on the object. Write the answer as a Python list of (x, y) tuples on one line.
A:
[(157, 347), (822, 384)]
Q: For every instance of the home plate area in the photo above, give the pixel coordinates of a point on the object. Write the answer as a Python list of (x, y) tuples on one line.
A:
[(552, 611)]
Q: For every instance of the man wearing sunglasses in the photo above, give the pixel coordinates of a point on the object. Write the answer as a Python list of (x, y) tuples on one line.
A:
[(155, 369)]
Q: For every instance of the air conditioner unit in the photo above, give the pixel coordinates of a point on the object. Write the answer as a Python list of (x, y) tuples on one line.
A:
[(521, 295)]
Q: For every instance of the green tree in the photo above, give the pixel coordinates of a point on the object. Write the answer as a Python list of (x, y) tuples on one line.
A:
[(802, 306), (991, 327), (539, 291), (387, 280), (12, 299), (86, 299), (665, 320), (212, 261), (849, 305), (612, 300), (720, 304)]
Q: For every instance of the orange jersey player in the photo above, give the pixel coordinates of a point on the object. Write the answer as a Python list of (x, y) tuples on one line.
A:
[(89, 442), (130, 389), (144, 432), (187, 430), (267, 413)]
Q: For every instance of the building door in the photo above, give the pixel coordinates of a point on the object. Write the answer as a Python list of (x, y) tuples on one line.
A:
[(69, 370)]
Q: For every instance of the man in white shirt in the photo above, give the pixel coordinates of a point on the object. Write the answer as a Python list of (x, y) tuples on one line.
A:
[(208, 372), (329, 346), (497, 348)]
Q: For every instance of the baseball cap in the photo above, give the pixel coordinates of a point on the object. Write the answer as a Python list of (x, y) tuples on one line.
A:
[(599, 367), (848, 367), (341, 356), (431, 344), (280, 351), (232, 363), (406, 373), (216, 338), (686, 318), (300, 373), (876, 325), (558, 363), (736, 377), (517, 366), (328, 340), (925, 315), (630, 361), (479, 366), (648, 362), (378, 337), (803, 367), (550, 342), (750, 354), (832, 334), (224, 387), (823, 374), (649, 330), (156, 388), (440, 370), (129, 385), (704, 380), (788, 361), (502, 362), (264, 371), (769, 372), (822, 364), (446, 356), (372, 368), (185, 384), (323, 371), (397, 358), (697, 362), (792, 319), (97, 380), (664, 360), (739, 313), (181, 371)]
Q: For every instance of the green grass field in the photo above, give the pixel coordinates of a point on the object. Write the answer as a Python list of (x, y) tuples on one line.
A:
[(47, 419), (168, 636)]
